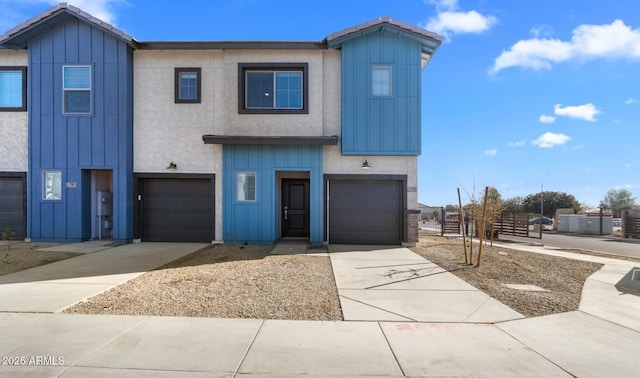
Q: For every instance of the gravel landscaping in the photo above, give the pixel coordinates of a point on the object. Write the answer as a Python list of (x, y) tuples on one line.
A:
[(561, 278), (17, 256), (229, 282)]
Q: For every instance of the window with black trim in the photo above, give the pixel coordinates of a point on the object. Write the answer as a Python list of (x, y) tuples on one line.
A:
[(76, 88), (187, 85), (13, 89), (279, 88)]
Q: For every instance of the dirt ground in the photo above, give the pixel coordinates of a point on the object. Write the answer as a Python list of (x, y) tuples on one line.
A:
[(561, 278), (18, 256)]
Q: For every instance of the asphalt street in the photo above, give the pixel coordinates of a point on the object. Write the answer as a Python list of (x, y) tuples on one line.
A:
[(603, 244)]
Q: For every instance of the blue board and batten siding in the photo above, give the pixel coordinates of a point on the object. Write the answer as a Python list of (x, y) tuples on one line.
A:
[(256, 221), (381, 125), (77, 144)]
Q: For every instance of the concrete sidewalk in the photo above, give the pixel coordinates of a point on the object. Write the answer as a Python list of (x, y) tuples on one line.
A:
[(573, 344), (417, 342)]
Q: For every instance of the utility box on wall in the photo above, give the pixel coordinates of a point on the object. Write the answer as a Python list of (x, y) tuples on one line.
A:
[(104, 211), (104, 204)]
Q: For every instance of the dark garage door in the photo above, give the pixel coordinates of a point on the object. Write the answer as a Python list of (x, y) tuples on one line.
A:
[(365, 212), (12, 206), (177, 210)]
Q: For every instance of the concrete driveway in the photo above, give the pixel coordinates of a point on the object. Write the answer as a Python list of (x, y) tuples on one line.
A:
[(394, 284), (54, 287)]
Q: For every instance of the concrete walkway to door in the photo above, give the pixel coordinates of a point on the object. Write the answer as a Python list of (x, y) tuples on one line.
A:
[(379, 283)]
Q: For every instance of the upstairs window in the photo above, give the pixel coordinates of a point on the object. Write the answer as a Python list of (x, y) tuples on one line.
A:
[(381, 81), (276, 88), (13, 89), (76, 89), (187, 85)]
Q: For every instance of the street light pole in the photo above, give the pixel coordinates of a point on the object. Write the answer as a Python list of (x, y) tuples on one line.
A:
[(542, 202)]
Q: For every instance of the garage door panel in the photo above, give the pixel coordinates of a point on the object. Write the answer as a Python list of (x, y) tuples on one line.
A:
[(365, 212), (178, 210), (12, 206)]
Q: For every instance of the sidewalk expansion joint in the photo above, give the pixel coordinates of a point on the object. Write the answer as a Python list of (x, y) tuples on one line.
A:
[(391, 349), (376, 307), (246, 352), (109, 341)]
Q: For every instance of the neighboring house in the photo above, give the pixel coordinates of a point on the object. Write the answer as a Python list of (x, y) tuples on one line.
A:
[(429, 212), (212, 141)]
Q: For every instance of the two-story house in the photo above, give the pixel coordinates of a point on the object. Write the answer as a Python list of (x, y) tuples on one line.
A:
[(109, 137)]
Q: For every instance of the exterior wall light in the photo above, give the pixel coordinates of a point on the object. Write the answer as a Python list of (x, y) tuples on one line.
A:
[(172, 167), (365, 165)]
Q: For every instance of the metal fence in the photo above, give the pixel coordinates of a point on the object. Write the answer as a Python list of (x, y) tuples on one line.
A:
[(631, 224), (514, 225), (446, 224)]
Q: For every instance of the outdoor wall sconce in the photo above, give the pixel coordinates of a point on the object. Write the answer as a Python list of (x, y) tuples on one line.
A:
[(172, 166), (366, 165)]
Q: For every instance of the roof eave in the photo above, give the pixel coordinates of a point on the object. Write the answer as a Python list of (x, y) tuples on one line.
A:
[(430, 41), (19, 36), (231, 45), (270, 140), (381, 24)]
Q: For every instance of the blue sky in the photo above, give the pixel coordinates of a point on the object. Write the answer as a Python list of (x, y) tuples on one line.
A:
[(521, 94)]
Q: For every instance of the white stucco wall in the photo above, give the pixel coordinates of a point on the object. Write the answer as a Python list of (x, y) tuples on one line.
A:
[(310, 124), (332, 100), (13, 125), (335, 163), (163, 130)]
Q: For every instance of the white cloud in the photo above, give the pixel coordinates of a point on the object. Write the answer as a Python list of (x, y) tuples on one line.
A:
[(550, 140), (492, 152), (547, 119), (519, 143), (450, 20), (444, 5), (540, 30), (630, 101), (585, 112), (610, 41)]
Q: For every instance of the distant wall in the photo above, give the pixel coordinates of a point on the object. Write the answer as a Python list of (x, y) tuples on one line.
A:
[(584, 225)]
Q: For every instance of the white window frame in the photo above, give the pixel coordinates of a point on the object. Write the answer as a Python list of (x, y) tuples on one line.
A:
[(273, 95), (388, 69), (240, 181), (23, 91), (65, 89), (52, 185)]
